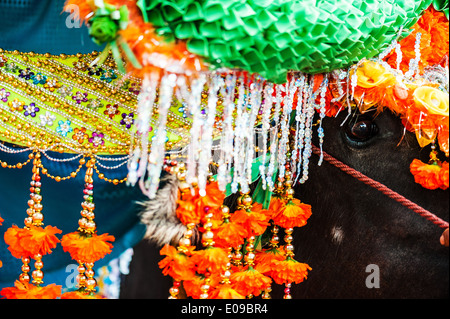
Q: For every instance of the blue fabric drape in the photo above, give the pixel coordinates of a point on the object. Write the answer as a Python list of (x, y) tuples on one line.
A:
[(41, 26)]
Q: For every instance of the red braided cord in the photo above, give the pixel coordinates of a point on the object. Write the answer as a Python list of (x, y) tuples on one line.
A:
[(382, 188)]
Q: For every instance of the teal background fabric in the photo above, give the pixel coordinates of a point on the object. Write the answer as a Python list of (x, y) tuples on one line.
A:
[(40, 26)]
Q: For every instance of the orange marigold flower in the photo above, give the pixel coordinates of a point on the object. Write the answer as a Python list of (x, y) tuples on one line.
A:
[(187, 211), (30, 291), (250, 281), (289, 271), (194, 284), (275, 204), (213, 198), (225, 291), (24, 242), (264, 259), (444, 175), (293, 214), (433, 25), (176, 264), (210, 260), (254, 222), (12, 238), (428, 175), (87, 249), (230, 235), (80, 295)]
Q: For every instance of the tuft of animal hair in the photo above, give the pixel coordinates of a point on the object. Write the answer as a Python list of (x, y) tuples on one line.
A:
[(159, 214)]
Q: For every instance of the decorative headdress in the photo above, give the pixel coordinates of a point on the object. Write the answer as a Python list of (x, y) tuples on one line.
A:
[(204, 98)]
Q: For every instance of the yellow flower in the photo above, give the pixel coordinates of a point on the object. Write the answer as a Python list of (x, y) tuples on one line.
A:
[(371, 74), (433, 100)]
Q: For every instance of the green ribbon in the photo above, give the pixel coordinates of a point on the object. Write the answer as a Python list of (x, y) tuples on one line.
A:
[(441, 5), (104, 28), (255, 173)]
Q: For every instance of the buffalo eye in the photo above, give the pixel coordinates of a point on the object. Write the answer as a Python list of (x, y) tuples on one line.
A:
[(360, 132)]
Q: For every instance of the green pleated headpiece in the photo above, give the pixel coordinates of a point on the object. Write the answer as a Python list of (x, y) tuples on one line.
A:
[(271, 37)]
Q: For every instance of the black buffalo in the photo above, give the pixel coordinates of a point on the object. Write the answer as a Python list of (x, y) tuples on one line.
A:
[(359, 242)]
